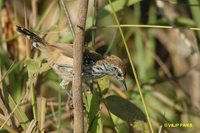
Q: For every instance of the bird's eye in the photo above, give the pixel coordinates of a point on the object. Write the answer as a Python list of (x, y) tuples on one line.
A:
[(119, 75)]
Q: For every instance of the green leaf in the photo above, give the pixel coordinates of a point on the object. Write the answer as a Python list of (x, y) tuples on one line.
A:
[(94, 116), (104, 84), (124, 109)]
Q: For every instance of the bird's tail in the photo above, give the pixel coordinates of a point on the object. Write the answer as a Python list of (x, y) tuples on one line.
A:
[(38, 42)]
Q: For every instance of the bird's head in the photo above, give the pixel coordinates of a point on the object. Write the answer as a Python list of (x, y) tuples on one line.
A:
[(117, 69)]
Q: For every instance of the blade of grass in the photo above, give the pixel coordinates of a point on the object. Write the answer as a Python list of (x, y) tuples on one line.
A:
[(33, 67), (104, 12), (41, 103), (26, 24), (12, 67), (6, 127), (93, 102), (33, 103), (68, 18), (151, 43), (111, 43), (119, 4), (132, 66), (8, 39), (147, 26), (139, 45), (34, 12), (195, 12), (94, 21), (107, 10), (32, 126), (19, 113), (44, 15), (1, 3)]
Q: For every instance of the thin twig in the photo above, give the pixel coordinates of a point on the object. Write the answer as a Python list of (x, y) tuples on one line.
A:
[(68, 18), (77, 67)]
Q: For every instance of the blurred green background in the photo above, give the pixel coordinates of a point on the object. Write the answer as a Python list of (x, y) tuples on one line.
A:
[(163, 42)]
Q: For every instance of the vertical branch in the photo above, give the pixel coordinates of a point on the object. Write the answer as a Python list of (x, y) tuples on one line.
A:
[(77, 67)]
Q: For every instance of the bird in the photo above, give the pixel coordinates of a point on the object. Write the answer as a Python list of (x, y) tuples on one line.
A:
[(60, 56)]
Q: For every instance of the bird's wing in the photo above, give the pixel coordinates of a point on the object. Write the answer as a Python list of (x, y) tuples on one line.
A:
[(60, 54), (65, 49)]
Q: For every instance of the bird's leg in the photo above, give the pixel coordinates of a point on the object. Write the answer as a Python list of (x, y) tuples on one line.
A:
[(64, 85)]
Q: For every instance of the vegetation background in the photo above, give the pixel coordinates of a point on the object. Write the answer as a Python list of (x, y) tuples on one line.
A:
[(163, 42)]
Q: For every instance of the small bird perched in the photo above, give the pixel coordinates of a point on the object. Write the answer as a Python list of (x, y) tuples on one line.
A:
[(60, 56)]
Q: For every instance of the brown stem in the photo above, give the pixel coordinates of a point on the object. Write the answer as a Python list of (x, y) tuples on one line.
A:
[(77, 67)]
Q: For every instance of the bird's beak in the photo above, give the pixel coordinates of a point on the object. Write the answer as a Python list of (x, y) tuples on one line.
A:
[(124, 84)]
